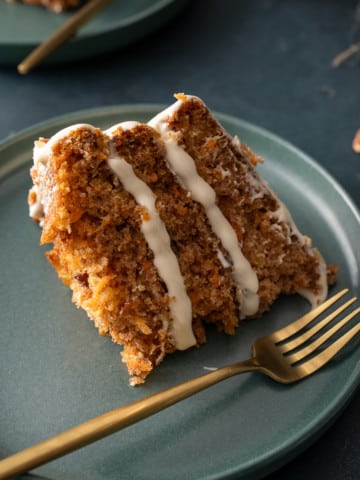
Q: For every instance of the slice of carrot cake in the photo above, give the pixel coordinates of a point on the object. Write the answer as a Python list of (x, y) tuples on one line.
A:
[(163, 227)]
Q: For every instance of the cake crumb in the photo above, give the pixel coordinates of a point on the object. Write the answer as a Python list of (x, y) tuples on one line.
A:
[(180, 96), (356, 142)]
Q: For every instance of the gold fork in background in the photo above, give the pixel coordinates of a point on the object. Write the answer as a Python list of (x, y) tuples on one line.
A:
[(288, 355), (62, 34)]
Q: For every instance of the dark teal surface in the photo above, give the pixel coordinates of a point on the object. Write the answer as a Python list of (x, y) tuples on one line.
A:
[(58, 371), (266, 61)]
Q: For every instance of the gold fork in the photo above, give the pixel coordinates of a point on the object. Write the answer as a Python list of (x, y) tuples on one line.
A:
[(271, 356)]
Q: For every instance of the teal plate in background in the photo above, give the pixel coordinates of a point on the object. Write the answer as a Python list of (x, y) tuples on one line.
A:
[(56, 371), (23, 27)]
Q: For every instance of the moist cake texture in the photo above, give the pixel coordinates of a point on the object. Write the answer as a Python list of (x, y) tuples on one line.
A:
[(164, 227)]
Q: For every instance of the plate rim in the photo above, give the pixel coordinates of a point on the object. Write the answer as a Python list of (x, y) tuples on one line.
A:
[(151, 9), (302, 438), (104, 38)]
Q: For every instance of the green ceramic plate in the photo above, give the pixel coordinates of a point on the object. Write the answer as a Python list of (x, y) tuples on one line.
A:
[(23, 27), (56, 371)]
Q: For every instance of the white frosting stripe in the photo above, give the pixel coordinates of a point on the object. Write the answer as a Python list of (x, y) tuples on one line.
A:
[(158, 239), (244, 276), (183, 165)]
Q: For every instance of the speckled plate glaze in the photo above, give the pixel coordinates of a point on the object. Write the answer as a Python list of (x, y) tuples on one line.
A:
[(56, 371), (23, 27)]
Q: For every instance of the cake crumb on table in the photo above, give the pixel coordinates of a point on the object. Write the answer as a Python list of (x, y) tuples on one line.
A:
[(356, 142)]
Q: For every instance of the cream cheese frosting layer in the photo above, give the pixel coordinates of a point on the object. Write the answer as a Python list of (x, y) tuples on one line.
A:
[(183, 166), (159, 242), (260, 187)]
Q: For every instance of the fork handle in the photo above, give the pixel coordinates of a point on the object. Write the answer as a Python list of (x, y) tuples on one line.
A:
[(115, 420)]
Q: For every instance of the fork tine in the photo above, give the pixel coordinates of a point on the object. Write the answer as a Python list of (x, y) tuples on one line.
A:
[(294, 327), (287, 347), (301, 354), (320, 360)]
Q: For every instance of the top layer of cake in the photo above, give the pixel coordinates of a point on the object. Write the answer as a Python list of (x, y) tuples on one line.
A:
[(159, 228)]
